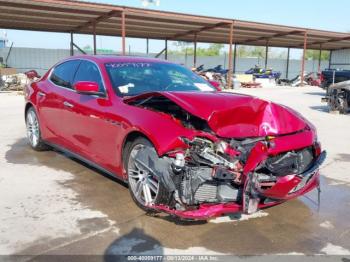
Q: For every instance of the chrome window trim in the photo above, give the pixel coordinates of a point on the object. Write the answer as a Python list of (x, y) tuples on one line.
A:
[(72, 89)]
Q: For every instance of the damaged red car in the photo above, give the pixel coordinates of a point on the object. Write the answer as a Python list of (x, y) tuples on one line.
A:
[(183, 147)]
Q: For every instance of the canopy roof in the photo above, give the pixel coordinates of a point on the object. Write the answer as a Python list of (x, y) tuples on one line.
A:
[(79, 17)]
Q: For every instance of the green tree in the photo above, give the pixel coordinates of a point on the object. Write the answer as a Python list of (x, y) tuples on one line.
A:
[(314, 54), (87, 48), (212, 50)]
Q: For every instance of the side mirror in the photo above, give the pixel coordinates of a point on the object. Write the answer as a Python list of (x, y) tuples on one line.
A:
[(31, 74), (87, 88)]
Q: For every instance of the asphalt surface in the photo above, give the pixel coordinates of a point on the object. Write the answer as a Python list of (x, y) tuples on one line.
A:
[(52, 204)]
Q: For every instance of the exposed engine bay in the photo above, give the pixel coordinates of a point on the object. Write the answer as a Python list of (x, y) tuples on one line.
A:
[(221, 171)]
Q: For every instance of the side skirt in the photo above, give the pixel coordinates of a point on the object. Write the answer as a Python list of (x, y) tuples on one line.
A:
[(86, 161)]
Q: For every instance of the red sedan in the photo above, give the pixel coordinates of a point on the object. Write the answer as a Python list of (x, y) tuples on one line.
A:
[(182, 146)]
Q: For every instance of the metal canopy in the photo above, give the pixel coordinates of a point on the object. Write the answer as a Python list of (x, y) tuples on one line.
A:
[(88, 18)]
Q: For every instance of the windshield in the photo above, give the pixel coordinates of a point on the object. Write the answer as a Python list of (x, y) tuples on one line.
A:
[(133, 78)]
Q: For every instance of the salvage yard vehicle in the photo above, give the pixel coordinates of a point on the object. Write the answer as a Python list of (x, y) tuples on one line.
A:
[(338, 97), (333, 76), (181, 146), (259, 72)]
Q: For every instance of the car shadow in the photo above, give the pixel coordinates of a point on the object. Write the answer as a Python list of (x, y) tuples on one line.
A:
[(20, 152)]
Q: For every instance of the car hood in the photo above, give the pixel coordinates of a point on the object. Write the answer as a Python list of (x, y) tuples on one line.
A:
[(235, 115)]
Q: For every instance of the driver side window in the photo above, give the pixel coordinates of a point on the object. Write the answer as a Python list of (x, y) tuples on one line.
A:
[(88, 71)]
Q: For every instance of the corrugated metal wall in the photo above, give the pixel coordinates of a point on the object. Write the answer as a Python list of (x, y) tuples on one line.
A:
[(341, 59), (42, 59)]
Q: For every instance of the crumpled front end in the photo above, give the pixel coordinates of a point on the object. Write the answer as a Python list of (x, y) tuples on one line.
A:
[(216, 173), (214, 179)]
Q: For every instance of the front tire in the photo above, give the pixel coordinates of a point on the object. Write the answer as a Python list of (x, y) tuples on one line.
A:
[(33, 131), (145, 186)]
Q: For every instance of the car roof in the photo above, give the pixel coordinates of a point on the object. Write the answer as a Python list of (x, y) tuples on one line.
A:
[(102, 59)]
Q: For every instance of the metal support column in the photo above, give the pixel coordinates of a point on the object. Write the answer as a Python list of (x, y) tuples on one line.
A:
[(319, 59), (234, 59), (330, 59), (166, 49), (230, 62), (147, 46), (71, 44), (123, 32), (288, 57), (195, 51), (303, 59), (94, 37), (266, 53)]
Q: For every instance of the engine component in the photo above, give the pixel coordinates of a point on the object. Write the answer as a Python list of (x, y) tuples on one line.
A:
[(203, 151), (207, 192), (227, 193), (179, 162)]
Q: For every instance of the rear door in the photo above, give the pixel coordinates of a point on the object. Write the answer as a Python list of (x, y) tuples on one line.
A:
[(51, 97)]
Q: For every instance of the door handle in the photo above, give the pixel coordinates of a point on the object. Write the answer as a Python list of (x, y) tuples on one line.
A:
[(67, 104), (41, 94)]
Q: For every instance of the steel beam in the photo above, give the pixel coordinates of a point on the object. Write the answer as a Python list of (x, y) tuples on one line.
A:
[(147, 46), (94, 38), (230, 62), (266, 53), (330, 59), (234, 59), (166, 49), (303, 59), (97, 20), (272, 36), (123, 33), (196, 31), (319, 59), (332, 40), (195, 51), (288, 57), (71, 44)]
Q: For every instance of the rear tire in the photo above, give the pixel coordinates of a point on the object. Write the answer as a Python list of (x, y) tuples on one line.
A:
[(33, 131), (145, 187)]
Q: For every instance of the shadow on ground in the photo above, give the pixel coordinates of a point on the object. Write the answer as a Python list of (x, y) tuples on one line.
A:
[(320, 108)]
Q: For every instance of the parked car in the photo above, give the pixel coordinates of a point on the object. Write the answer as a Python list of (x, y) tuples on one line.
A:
[(183, 147), (338, 97), (338, 75)]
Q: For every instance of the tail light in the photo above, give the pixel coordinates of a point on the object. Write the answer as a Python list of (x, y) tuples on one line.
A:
[(317, 148)]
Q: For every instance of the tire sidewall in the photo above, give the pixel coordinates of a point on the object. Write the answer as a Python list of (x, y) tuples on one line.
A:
[(162, 192), (40, 145)]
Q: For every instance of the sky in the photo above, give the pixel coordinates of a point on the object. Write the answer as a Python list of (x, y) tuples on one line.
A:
[(321, 14)]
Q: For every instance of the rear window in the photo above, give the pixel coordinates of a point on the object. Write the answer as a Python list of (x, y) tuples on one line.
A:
[(133, 78)]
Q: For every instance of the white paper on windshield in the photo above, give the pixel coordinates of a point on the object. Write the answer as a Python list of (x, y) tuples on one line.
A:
[(125, 89), (203, 87)]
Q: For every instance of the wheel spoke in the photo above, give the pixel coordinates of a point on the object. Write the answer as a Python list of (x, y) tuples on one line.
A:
[(147, 194), (144, 166), (135, 176), (138, 188), (152, 185), (142, 178)]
